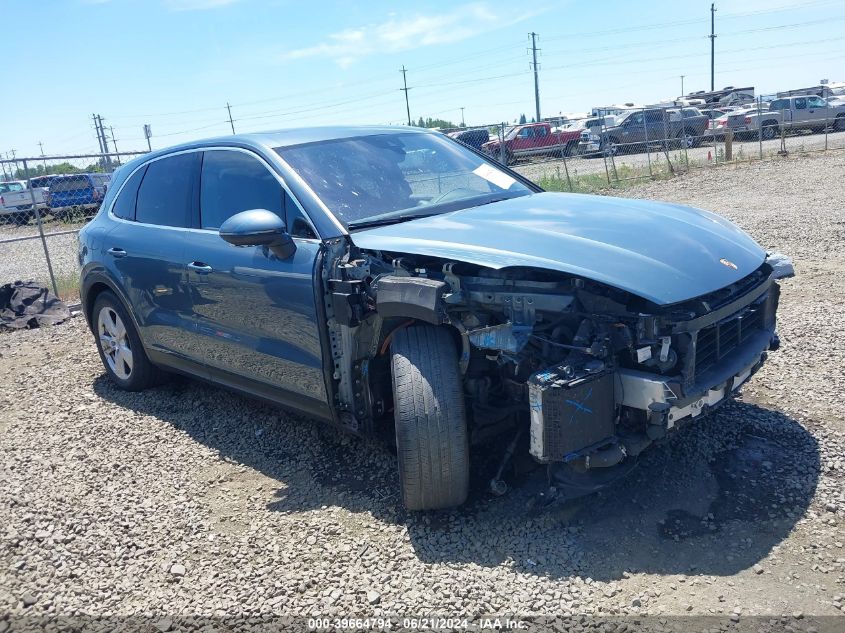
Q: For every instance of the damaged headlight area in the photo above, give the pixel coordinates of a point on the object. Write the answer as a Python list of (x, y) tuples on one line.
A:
[(592, 373)]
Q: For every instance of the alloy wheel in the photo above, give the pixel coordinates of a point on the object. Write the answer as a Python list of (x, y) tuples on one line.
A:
[(115, 343)]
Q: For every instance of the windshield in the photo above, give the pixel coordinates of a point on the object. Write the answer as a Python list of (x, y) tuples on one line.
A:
[(510, 133), (9, 187), (397, 176)]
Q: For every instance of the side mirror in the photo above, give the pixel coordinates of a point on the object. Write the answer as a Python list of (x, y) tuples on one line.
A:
[(259, 227)]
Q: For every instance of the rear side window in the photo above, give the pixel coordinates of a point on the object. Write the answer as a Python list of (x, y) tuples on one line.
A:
[(124, 206), (801, 103), (232, 182), (166, 192)]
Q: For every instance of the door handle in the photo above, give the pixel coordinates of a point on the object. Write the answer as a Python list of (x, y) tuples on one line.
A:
[(116, 252), (199, 267)]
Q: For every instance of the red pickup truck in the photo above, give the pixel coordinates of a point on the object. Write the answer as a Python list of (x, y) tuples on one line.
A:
[(533, 139)]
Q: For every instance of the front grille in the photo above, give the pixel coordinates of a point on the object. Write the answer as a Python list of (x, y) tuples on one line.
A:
[(718, 340)]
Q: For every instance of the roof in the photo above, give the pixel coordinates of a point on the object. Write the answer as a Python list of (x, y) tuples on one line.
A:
[(297, 136)]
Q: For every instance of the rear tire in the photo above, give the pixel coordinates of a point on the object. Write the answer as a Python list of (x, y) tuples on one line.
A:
[(119, 345), (431, 431), (770, 131)]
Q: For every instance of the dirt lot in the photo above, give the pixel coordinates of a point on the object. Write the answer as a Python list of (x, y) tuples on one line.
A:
[(189, 501)]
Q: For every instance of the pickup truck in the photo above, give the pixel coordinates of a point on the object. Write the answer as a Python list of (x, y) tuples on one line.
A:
[(807, 112), (16, 199), (532, 139), (636, 130)]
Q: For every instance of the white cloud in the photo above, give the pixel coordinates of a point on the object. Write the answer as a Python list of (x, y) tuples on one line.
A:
[(196, 5), (402, 33)]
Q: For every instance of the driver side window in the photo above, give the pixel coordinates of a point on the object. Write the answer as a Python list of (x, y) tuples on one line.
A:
[(233, 181)]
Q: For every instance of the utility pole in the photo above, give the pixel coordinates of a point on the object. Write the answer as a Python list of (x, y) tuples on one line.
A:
[(99, 135), (405, 90), (712, 46), (114, 142), (148, 132), (106, 157), (41, 147), (462, 117), (536, 78), (682, 85), (231, 122)]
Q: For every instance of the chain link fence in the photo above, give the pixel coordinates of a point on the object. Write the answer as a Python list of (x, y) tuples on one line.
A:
[(44, 202), (626, 144)]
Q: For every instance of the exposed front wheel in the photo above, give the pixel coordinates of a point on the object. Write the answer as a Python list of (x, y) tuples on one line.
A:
[(431, 431), (119, 345)]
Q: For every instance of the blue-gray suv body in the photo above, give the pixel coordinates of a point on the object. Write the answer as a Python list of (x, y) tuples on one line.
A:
[(392, 279)]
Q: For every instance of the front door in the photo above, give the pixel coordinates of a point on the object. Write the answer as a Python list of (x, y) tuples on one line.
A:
[(256, 315)]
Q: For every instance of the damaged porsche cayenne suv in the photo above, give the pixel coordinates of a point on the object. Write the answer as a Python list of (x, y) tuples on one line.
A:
[(395, 282)]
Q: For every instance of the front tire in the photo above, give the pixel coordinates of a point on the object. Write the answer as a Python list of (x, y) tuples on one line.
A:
[(119, 345), (431, 431), (839, 123)]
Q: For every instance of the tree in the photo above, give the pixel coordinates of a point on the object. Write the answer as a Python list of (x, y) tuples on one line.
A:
[(441, 123), (57, 168), (522, 119)]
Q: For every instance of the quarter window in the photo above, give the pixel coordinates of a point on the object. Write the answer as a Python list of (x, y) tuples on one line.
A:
[(165, 195), (124, 206)]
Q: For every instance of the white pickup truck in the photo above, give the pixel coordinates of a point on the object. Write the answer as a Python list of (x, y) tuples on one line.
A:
[(805, 112), (16, 199)]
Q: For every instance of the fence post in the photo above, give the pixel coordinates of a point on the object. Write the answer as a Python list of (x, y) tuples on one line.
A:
[(40, 229), (503, 155), (566, 170), (826, 123), (760, 127), (647, 149), (729, 145)]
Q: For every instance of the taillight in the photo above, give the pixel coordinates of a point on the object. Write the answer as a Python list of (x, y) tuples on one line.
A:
[(747, 120), (2, 201)]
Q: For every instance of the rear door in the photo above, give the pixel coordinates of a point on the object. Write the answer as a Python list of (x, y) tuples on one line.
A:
[(146, 251), (256, 320)]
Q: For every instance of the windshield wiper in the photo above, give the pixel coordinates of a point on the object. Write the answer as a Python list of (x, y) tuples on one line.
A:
[(387, 219)]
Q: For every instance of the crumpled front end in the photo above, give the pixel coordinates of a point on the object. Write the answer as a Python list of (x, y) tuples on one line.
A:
[(593, 373)]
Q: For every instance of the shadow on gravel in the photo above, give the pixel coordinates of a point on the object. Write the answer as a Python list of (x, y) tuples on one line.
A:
[(713, 499)]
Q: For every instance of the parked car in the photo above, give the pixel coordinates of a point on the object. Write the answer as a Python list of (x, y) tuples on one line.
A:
[(316, 269), (588, 142), (807, 112), (639, 129), (532, 139), (16, 203), (76, 194), (473, 138)]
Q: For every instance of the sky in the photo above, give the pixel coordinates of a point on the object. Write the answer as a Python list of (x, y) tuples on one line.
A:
[(175, 64)]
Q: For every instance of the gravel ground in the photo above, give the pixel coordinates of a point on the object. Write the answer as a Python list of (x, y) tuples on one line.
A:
[(188, 501)]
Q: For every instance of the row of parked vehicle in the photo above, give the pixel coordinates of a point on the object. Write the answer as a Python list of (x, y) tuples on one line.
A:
[(635, 130), (630, 131), (65, 196), (790, 113)]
